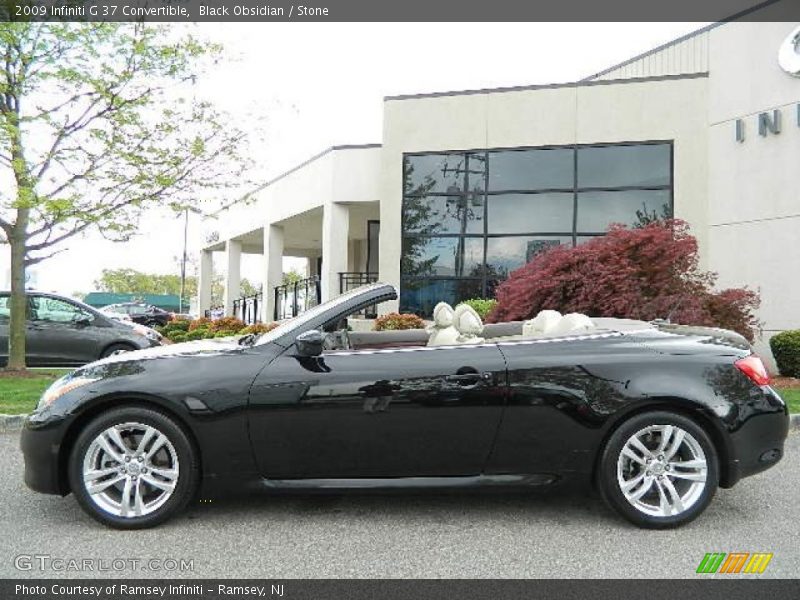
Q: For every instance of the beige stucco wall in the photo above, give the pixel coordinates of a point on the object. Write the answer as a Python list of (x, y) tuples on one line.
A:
[(663, 109), (754, 185)]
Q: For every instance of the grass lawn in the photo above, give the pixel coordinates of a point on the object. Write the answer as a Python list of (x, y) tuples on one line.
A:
[(19, 395), (792, 398)]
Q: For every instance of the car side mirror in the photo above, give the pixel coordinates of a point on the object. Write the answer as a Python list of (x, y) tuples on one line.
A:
[(309, 343), (82, 321)]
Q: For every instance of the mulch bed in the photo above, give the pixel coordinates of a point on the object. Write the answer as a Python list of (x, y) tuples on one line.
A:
[(27, 374), (785, 382)]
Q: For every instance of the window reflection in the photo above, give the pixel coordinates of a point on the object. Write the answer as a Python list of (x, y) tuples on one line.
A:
[(442, 256), (532, 169), (644, 165), (443, 214), (506, 254), (525, 213), (598, 210)]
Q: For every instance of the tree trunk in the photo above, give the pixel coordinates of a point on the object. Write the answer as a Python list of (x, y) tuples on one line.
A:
[(17, 323)]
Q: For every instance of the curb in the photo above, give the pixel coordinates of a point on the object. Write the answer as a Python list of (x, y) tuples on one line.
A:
[(9, 423)]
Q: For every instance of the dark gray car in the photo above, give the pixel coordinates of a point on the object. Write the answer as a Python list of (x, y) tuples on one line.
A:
[(61, 331)]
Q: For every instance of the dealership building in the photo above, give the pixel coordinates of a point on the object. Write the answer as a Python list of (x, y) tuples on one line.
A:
[(467, 186)]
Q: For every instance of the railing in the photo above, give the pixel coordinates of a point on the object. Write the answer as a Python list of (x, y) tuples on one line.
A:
[(353, 279), (247, 308), (215, 312), (292, 299)]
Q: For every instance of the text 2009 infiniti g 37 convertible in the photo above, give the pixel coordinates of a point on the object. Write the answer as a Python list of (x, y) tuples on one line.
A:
[(656, 416)]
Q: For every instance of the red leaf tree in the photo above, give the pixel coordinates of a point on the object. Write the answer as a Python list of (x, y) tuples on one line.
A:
[(643, 273)]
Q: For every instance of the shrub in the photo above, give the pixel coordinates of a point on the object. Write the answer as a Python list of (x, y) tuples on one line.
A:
[(258, 328), (178, 337), (196, 334), (643, 273), (394, 321), (174, 325), (785, 348), (228, 324), (221, 334), (202, 322), (482, 306)]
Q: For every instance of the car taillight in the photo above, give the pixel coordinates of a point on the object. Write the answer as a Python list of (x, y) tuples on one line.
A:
[(754, 369)]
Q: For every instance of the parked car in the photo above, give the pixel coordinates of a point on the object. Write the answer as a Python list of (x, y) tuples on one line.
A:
[(64, 332), (139, 312), (655, 416)]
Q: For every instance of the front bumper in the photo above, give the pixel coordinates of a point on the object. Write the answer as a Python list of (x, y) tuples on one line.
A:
[(41, 443)]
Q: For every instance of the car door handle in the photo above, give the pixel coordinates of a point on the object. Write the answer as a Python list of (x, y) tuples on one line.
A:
[(470, 378)]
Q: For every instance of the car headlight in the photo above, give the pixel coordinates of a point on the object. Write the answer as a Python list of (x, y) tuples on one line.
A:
[(61, 387), (150, 334)]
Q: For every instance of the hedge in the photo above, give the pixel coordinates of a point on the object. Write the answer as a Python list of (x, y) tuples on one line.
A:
[(785, 348)]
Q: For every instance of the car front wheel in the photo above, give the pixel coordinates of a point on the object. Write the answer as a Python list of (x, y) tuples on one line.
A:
[(659, 470), (132, 468)]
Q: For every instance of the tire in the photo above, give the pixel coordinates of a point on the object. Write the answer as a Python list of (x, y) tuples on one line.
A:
[(116, 349), (156, 487), (646, 469)]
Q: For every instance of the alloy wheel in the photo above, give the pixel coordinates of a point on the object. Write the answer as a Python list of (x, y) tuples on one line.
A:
[(662, 470), (130, 469)]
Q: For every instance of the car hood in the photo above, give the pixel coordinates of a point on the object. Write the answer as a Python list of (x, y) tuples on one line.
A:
[(210, 347)]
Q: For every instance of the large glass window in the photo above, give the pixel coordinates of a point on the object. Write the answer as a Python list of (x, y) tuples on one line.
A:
[(471, 218)]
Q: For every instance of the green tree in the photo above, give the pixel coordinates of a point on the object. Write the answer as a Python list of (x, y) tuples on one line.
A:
[(131, 281), (93, 132), (291, 276)]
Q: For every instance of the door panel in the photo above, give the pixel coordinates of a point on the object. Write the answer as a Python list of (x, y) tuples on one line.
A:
[(385, 413), (53, 338)]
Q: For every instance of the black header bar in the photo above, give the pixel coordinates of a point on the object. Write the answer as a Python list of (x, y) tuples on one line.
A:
[(399, 11)]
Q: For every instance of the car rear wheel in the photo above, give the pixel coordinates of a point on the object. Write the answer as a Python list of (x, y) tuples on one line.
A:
[(659, 470), (132, 468), (115, 349)]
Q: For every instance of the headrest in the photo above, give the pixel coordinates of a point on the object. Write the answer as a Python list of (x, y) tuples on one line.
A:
[(467, 321), (442, 315), (542, 323), (572, 323)]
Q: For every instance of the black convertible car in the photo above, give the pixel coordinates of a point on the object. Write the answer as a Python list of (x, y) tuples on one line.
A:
[(656, 416)]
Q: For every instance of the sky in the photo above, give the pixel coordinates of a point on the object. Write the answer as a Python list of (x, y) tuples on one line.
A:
[(301, 88)]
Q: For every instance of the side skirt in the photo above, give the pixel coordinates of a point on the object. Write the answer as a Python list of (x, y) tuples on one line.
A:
[(410, 483)]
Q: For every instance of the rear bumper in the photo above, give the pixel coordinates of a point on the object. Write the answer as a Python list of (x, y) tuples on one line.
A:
[(41, 442), (757, 445)]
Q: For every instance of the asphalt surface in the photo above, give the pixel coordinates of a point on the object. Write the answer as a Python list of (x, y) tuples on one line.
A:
[(407, 536)]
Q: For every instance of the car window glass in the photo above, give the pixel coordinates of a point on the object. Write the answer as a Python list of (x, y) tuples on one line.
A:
[(5, 308), (137, 309), (54, 310)]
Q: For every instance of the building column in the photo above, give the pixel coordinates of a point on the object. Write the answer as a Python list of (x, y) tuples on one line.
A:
[(335, 231), (204, 283), (272, 267), (233, 277)]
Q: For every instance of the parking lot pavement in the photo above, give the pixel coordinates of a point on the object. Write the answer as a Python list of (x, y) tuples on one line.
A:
[(467, 535)]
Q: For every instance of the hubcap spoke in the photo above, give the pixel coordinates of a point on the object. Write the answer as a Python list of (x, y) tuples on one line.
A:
[(644, 450), (675, 498), (95, 487), (666, 434), (157, 445), (167, 486), (125, 502), (647, 483), (677, 440), (148, 435)]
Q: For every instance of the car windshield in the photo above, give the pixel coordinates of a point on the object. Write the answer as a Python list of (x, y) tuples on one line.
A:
[(298, 321)]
